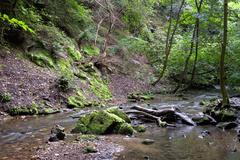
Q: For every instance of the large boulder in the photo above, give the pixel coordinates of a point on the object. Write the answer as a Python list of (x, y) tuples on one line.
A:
[(107, 121)]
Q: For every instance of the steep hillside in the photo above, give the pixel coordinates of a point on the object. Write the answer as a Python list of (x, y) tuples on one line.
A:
[(49, 59)]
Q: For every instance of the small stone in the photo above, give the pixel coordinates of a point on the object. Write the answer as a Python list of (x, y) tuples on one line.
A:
[(146, 157), (57, 133), (148, 141)]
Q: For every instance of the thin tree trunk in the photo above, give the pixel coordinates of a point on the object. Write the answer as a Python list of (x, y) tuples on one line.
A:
[(199, 6), (225, 101), (183, 75), (169, 41)]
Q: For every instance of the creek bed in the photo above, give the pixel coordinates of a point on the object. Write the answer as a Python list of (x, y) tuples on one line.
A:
[(21, 137)]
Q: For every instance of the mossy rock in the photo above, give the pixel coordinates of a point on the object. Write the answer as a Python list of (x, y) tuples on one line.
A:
[(201, 120), (126, 129), (119, 113), (47, 111), (23, 111), (102, 122), (140, 128), (140, 96)]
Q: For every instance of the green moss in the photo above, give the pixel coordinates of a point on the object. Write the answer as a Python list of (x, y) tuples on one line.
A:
[(5, 97), (126, 129), (42, 58), (140, 128), (74, 53), (87, 137), (65, 67), (90, 50), (81, 74), (140, 96), (80, 101), (28, 110), (47, 111), (102, 122), (99, 88), (90, 149), (119, 113), (77, 101)]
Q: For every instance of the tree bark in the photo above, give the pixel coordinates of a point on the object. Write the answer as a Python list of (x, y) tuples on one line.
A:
[(225, 101)]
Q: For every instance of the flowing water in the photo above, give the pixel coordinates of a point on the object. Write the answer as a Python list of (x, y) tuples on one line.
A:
[(20, 137)]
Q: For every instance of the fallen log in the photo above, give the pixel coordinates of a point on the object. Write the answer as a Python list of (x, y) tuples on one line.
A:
[(158, 120), (158, 114)]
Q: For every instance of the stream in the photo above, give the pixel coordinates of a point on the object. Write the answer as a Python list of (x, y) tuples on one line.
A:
[(21, 136)]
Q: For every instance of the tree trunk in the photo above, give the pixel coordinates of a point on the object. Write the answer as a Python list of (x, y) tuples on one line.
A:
[(183, 75), (197, 39), (225, 101), (169, 40)]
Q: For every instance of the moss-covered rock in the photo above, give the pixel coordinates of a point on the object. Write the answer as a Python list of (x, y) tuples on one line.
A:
[(140, 128), (126, 129), (220, 114), (119, 113), (28, 110), (102, 122), (140, 96), (201, 120)]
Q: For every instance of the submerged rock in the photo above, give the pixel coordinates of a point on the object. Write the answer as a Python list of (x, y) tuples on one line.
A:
[(202, 119), (227, 125), (57, 133), (148, 141), (107, 121)]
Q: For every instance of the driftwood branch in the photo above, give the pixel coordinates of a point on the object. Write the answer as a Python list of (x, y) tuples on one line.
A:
[(157, 115)]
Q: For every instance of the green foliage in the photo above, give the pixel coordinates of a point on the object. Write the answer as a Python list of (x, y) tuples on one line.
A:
[(13, 23), (69, 15), (136, 14)]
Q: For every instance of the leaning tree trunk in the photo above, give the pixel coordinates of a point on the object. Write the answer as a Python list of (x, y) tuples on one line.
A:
[(169, 41), (225, 101), (197, 39), (184, 73)]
